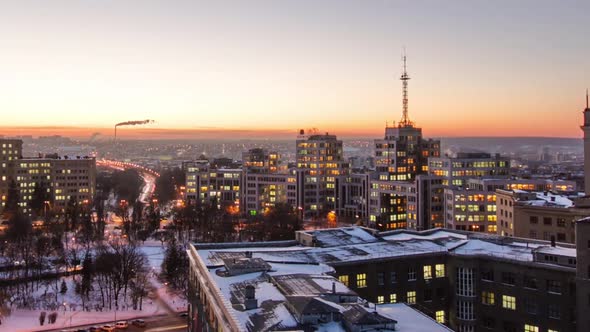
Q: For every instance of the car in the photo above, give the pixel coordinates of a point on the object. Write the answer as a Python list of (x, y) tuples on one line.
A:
[(81, 330), (138, 322), (184, 314), (121, 325), (94, 329), (108, 328)]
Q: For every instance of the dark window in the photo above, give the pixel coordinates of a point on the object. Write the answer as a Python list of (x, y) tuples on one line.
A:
[(508, 278), (393, 277), (561, 237), (553, 311), (530, 306), (560, 222), (534, 219), (489, 322), (509, 327), (487, 275), (554, 286), (440, 293), (380, 279), (530, 282), (547, 221), (428, 294)]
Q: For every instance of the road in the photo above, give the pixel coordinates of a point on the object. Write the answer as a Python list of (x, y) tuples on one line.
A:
[(162, 323)]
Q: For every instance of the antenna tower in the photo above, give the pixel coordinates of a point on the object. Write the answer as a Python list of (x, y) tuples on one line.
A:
[(405, 122)]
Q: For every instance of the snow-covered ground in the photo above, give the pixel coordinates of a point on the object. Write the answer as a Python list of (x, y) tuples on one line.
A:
[(161, 301)]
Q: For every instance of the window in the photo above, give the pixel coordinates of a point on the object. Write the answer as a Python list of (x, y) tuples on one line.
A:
[(530, 306), (411, 274), (547, 221), (465, 310), (440, 316), (530, 282), (553, 311), (465, 282), (439, 270), (489, 322), (554, 286), (393, 298), (530, 328), (380, 299), (427, 272), (380, 279), (551, 330), (534, 219), (560, 222), (508, 302), (487, 275), (361, 280), (427, 295), (411, 297), (487, 298), (508, 278), (343, 279), (393, 277)]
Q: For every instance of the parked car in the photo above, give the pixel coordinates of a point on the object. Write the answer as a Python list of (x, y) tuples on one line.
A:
[(108, 328), (121, 325), (184, 314), (139, 322), (94, 329)]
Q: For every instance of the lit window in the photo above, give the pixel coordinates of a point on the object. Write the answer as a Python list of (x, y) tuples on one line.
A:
[(343, 279), (427, 272), (530, 328), (550, 330), (440, 316), (508, 302), (361, 280), (393, 298), (439, 270), (411, 297), (380, 299), (487, 298)]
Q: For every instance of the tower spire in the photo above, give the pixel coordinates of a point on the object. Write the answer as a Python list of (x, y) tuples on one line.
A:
[(587, 99), (405, 121)]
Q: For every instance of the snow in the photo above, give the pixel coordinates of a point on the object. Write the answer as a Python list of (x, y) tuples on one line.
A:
[(410, 320), (479, 247), (435, 235), (342, 236), (560, 251)]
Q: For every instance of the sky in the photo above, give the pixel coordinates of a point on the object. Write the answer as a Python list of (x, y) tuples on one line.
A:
[(477, 68)]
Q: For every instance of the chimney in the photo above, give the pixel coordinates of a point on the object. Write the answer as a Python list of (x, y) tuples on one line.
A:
[(553, 240), (333, 287), (248, 254), (250, 301)]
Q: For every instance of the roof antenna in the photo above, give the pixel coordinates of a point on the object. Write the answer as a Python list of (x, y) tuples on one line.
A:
[(587, 99), (405, 122)]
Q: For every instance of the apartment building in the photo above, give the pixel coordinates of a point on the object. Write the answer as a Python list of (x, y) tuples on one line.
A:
[(466, 165)]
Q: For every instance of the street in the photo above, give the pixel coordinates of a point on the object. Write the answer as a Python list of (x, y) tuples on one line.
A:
[(160, 323)]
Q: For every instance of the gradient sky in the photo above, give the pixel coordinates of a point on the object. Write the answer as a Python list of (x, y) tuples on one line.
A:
[(478, 68)]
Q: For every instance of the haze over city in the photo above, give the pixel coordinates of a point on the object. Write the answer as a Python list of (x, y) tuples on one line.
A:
[(267, 68)]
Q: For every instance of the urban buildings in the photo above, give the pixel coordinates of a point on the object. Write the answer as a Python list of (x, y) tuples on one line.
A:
[(467, 281), (320, 161), (63, 179), (242, 287), (206, 183), (538, 215)]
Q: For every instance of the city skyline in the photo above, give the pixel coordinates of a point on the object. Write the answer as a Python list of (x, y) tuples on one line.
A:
[(268, 69)]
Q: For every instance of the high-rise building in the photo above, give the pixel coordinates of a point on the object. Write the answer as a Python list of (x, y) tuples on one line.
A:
[(208, 184), (266, 181), (400, 157), (320, 160), (466, 165), (10, 150)]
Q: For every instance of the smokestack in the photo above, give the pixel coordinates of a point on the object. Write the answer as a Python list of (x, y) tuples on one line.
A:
[(333, 287)]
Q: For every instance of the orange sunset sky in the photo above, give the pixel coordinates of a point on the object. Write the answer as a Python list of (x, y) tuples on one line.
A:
[(239, 69)]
